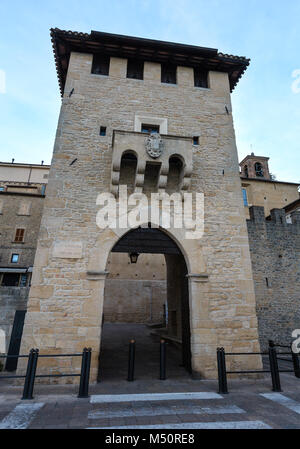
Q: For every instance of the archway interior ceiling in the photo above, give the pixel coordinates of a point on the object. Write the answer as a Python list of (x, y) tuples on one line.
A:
[(146, 240)]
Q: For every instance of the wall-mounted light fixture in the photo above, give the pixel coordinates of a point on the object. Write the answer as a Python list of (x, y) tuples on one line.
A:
[(134, 257)]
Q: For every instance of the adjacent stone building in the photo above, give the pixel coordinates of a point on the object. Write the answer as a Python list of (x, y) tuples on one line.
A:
[(22, 192), (290, 208), (260, 188), (275, 256)]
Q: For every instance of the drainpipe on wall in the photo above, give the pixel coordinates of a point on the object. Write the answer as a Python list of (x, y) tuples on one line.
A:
[(28, 182)]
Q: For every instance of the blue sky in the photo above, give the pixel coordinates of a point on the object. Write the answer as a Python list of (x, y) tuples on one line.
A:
[(266, 110)]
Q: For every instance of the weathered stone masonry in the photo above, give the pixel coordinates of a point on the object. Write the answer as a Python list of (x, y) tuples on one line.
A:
[(66, 298), (275, 256)]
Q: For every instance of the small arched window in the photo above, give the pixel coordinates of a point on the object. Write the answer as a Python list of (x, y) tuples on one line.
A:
[(246, 173), (175, 174), (128, 170), (259, 171)]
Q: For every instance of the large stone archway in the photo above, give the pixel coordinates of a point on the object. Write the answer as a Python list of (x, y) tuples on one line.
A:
[(152, 241), (181, 254)]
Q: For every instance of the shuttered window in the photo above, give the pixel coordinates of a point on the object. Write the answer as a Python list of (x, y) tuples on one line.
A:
[(168, 73), (100, 65), (19, 237), (201, 78), (135, 69), (245, 198)]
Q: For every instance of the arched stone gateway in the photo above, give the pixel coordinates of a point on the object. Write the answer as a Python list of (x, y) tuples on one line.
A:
[(176, 328), (146, 240)]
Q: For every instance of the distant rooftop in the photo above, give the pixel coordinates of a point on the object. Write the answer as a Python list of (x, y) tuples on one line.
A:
[(23, 164)]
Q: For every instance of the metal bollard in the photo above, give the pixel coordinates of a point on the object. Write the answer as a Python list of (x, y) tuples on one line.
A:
[(163, 354), (295, 358), (131, 360), (222, 374), (30, 374), (274, 369), (271, 343), (85, 373)]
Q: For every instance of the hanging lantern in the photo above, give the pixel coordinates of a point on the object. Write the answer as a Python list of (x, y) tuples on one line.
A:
[(134, 257)]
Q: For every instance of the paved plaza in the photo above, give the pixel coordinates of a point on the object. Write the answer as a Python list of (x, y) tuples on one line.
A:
[(170, 404), (180, 402)]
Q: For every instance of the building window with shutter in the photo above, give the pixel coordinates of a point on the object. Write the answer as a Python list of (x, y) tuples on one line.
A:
[(201, 78), (168, 73), (10, 280), (245, 198), (100, 65), (23, 280), (19, 236), (135, 69)]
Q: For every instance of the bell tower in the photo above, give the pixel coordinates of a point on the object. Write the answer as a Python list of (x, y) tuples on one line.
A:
[(255, 167)]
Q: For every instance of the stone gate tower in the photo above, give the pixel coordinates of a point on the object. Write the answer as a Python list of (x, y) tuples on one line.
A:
[(117, 92)]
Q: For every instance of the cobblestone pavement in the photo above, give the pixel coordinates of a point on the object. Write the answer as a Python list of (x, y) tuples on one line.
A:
[(170, 404)]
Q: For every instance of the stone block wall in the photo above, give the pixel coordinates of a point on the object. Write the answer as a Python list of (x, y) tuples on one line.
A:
[(135, 293), (131, 301), (275, 256)]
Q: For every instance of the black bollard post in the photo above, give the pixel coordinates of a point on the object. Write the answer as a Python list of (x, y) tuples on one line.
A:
[(88, 369), (274, 369), (296, 365), (33, 372), (28, 375), (271, 343), (131, 359), (163, 354), (85, 374), (222, 374)]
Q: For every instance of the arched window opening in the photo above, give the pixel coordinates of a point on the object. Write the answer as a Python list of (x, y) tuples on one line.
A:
[(128, 171), (259, 171), (246, 173), (151, 179), (175, 174)]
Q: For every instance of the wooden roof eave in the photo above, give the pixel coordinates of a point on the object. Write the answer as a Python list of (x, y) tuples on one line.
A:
[(64, 42)]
